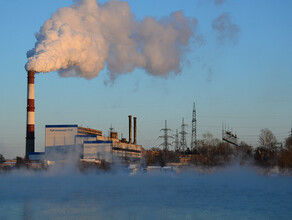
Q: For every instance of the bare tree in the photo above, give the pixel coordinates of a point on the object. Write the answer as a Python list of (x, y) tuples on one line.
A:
[(209, 140), (288, 143), (267, 139), (2, 159)]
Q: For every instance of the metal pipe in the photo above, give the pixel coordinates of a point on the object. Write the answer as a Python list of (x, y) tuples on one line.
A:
[(130, 128), (30, 137), (135, 130)]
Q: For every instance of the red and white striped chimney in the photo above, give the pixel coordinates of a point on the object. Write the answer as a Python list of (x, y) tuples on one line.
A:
[(30, 114)]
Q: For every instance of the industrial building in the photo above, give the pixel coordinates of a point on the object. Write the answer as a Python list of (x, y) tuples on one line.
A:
[(65, 141)]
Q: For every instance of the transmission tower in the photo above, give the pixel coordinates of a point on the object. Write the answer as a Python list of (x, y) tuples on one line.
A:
[(165, 137), (176, 141), (183, 133), (194, 129)]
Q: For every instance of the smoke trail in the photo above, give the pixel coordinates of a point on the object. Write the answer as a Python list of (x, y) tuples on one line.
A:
[(226, 30), (81, 40)]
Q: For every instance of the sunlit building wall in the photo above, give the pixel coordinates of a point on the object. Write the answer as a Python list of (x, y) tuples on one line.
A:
[(70, 140)]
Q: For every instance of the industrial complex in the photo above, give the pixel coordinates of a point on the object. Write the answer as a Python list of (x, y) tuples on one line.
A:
[(67, 142), (62, 141)]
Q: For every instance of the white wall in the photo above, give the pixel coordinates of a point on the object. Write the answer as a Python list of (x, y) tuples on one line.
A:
[(58, 135)]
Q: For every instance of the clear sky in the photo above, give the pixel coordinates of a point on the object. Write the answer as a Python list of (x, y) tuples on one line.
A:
[(244, 81)]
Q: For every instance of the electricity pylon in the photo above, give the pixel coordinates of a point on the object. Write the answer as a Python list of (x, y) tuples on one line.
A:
[(183, 133), (194, 129), (165, 137)]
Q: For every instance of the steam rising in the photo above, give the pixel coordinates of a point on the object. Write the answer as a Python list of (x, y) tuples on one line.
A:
[(230, 193), (82, 39)]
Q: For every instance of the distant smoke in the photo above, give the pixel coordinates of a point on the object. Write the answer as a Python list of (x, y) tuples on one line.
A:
[(225, 29), (81, 40), (219, 2)]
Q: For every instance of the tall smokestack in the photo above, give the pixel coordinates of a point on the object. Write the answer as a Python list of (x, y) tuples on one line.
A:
[(130, 128), (30, 114), (135, 130)]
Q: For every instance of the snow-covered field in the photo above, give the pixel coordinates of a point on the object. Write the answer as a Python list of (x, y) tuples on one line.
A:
[(229, 193)]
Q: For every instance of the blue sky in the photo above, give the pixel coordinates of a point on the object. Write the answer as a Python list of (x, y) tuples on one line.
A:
[(246, 85)]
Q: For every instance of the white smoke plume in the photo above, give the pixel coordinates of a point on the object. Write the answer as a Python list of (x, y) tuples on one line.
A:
[(83, 39), (226, 30)]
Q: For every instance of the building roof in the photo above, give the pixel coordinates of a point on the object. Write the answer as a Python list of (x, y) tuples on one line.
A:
[(61, 126)]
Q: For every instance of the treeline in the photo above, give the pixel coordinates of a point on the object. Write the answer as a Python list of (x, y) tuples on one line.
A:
[(213, 152), (207, 155), (271, 156)]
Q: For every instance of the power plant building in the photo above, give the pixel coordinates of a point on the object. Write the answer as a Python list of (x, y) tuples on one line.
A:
[(63, 141), (87, 143)]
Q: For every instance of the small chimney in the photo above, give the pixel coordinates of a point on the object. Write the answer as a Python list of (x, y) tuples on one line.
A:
[(30, 114), (130, 128), (135, 130)]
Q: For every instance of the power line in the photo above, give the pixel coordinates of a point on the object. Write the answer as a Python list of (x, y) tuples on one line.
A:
[(244, 117)]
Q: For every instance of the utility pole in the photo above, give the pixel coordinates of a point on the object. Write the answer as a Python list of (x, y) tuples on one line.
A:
[(165, 137), (194, 129), (183, 133)]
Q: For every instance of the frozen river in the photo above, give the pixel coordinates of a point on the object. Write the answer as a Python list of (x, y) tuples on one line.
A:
[(233, 193)]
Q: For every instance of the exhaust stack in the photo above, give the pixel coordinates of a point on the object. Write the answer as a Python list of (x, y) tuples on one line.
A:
[(30, 114), (135, 131), (130, 128)]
